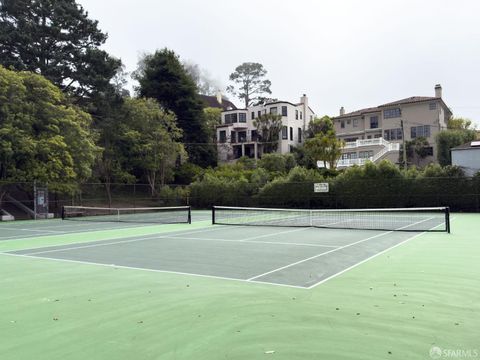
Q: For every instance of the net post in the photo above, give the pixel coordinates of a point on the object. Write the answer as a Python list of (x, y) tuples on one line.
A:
[(63, 212), (213, 215), (189, 214), (447, 219)]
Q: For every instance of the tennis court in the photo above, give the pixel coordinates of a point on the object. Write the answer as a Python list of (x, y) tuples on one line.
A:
[(76, 289), (293, 255)]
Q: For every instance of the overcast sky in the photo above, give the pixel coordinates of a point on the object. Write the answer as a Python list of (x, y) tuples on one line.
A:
[(347, 53)]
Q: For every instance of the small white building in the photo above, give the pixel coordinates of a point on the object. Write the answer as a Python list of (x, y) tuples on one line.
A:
[(237, 136), (467, 156)]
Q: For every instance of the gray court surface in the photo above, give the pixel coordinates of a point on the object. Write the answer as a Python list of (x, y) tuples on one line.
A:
[(298, 257)]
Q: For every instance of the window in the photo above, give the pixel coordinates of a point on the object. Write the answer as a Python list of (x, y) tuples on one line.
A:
[(432, 106), (369, 136), (233, 137), (296, 114), (231, 118), (242, 117), (299, 135), (291, 133), (376, 136), (351, 139), (420, 131), (254, 135), (428, 150), (365, 154), (284, 133), (284, 111), (259, 113), (311, 117), (348, 122), (342, 124), (349, 156), (242, 136), (301, 115), (253, 115), (373, 122), (355, 122), (392, 113), (222, 136), (273, 110), (393, 134)]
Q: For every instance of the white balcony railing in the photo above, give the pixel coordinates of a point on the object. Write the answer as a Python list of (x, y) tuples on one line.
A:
[(367, 142)]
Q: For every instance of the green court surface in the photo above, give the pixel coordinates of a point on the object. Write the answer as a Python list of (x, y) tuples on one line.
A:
[(74, 290)]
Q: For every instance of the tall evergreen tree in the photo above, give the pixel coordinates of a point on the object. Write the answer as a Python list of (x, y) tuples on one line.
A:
[(161, 76), (56, 39)]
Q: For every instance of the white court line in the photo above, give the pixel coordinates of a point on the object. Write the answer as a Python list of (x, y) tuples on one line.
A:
[(331, 251), (36, 230), (152, 270), (106, 243), (373, 256)]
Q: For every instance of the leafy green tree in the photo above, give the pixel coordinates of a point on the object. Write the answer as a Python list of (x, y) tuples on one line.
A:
[(417, 149), (213, 117), (161, 76), (269, 127), (459, 124), (326, 148), (250, 83), (56, 39), (448, 139), (152, 141), (320, 126), (273, 163), (42, 137)]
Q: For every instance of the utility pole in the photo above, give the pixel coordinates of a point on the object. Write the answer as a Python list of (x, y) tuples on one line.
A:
[(404, 147)]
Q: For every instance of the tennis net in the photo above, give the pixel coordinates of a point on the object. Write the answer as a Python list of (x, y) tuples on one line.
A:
[(396, 219), (157, 215)]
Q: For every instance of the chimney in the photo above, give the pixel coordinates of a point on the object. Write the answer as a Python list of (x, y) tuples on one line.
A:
[(438, 91), (304, 100), (219, 96), (342, 111)]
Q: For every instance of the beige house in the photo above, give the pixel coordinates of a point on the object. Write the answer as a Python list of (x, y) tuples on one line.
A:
[(376, 133), (237, 135)]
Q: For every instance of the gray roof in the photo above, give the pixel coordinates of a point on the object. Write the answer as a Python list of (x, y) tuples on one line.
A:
[(409, 100), (467, 146)]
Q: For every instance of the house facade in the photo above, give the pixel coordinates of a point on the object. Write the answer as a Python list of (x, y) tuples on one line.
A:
[(376, 133), (237, 135)]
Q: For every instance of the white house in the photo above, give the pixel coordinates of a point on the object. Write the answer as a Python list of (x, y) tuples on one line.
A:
[(237, 136), (467, 156)]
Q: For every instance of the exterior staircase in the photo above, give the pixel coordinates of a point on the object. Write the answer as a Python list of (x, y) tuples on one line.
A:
[(386, 148)]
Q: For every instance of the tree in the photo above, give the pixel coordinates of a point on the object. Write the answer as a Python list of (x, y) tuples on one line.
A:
[(151, 138), (459, 124), (213, 117), (202, 79), (268, 127), (251, 85), (416, 149), (56, 39), (161, 76), (42, 137), (320, 125), (326, 148), (448, 139)]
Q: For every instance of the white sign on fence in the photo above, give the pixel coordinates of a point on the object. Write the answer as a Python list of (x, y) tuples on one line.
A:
[(320, 187)]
